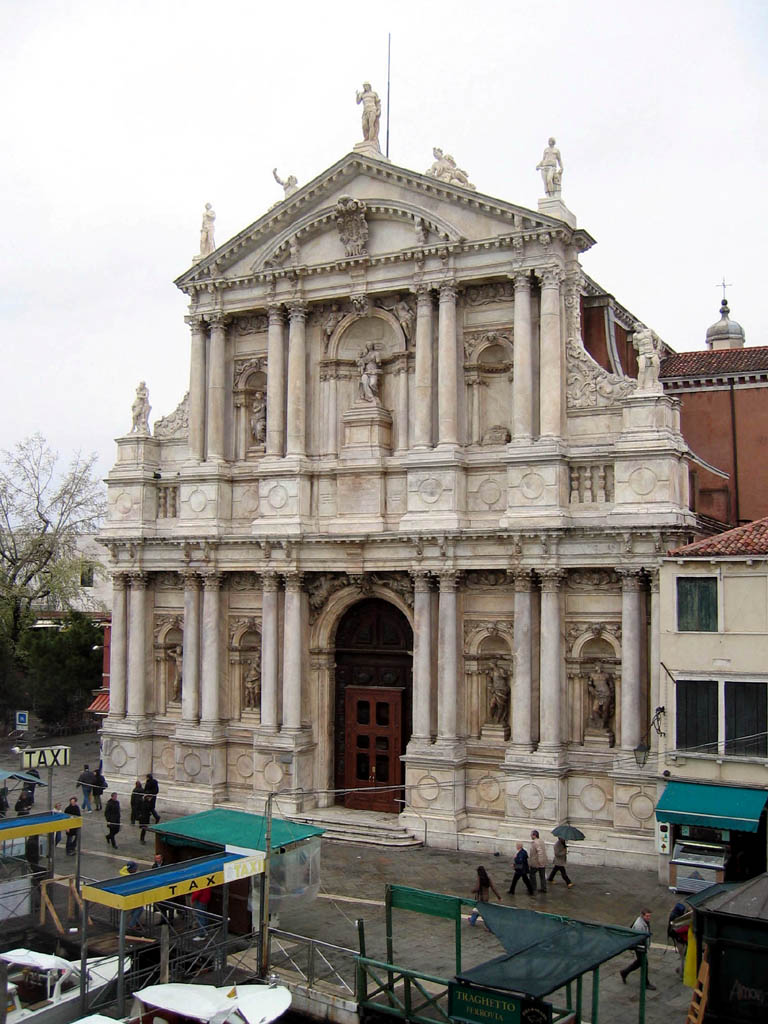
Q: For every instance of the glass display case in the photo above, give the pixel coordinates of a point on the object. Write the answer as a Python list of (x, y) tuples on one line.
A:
[(695, 866)]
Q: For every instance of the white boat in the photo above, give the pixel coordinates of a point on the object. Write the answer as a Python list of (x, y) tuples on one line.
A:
[(233, 1004), (47, 987)]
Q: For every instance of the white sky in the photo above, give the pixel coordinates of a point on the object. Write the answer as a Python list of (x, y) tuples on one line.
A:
[(122, 119)]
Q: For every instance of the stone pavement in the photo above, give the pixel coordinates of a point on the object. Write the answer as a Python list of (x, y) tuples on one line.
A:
[(353, 880)]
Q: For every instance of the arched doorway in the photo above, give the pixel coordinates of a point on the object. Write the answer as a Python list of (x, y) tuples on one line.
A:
[(374, 643)]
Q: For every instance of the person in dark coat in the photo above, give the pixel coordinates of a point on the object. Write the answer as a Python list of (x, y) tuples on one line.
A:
[(24, 803), (137, 796), (99, 785), (152, 788), (72, 808), (112, 818), (521, 870), (144, 814), (85, 782)]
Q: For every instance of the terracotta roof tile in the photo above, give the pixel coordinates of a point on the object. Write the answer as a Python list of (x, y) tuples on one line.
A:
[(751, 539), (711, 363)]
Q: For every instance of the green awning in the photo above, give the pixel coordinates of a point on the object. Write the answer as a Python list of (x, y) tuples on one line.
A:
[(222, 827), (694, 803)]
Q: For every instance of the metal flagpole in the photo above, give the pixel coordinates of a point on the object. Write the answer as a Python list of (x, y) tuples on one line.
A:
[(389, 54)]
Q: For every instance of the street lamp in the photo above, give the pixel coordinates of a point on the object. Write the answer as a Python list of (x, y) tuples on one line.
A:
[(642, 749)]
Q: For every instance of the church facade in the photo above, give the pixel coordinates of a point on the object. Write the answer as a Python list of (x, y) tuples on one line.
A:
[(397, 548)]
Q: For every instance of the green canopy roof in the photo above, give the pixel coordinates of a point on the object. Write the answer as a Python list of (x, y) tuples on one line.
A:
[(695, 803), (545, 952), (221, 827)]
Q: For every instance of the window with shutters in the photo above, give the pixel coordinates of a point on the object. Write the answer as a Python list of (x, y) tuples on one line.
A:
[(697, 604), (718, 717), (697, 715)]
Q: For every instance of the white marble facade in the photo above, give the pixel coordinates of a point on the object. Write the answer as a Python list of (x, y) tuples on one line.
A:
[(502, 498)]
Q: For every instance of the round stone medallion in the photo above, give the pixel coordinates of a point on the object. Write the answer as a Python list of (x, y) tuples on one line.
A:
[(428, 788), (123, 503), (192, 764), (530, 797), (593, 798), (532, 486), (249, 500), (489, 492), (643, 480), (197, 500), (167, 758), (641, 807), (273, 773), (245, 765), (118, 756), (488, 790), (430, 489), (277, 496)]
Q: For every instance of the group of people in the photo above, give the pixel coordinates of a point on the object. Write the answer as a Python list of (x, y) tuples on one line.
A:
[(93, 784)]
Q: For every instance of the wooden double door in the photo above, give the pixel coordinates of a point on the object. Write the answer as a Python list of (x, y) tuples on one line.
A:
[(373, 705)]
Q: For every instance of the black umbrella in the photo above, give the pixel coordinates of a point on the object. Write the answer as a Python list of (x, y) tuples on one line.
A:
[(568, 832)]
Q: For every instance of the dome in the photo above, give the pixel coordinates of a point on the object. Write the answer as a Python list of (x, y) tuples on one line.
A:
[(726, 333)]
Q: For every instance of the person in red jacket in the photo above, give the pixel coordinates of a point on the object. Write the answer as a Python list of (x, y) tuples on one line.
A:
[(199, 901)]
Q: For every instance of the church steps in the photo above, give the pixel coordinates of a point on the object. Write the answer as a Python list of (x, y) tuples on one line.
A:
[(360, 828)]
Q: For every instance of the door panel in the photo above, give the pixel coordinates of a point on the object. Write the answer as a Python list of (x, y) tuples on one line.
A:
[(373, 737)]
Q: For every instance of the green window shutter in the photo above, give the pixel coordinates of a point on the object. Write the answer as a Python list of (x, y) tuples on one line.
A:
[(696, 706), (697, 604), (746, 716)]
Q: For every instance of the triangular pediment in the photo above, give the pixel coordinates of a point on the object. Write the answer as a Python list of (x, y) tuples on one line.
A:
[(403, 211)]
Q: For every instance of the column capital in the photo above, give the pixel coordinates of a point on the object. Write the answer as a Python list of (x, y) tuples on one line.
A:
[(269, 582), (138, 580), (297, 312), (276, 314), (119, 580), (195, 321), (631, 579), (218, 321), (293, 581), (423, 296), (522, 580), (212, 580), (422, 581), (653, 580), (449, 580), (191, 580), (448, 291), (550, 277), (521, 279), (551, 579)]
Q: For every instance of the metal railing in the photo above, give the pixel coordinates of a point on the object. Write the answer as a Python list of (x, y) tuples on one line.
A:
[(400, 992), (315, 963)]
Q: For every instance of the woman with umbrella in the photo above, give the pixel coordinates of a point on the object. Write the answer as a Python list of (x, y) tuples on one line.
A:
[(560, 855)]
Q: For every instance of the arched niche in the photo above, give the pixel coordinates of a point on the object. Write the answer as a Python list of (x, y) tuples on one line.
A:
[(594, 674), (489, 377), (250, 395)]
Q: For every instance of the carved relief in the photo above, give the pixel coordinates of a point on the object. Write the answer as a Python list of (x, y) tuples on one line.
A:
[(177, 423), (482, 294), (320, 588), (592, 579), (589, 385), (578, 629), (251, 324), (477, 629), (483, 579), (353, 228), (497, 434)]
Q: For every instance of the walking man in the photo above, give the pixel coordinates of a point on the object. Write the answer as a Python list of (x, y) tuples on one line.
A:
[(151, 789), (560, 857), (85, 781), (521, 871), (642, 924), (537, 860), (112, 818), (74, 810)]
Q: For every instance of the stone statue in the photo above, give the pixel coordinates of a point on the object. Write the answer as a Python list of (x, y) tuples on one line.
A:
[(498, 694), (332, 321), (369, 365), (444, 169), (371, 113), (175, 657), (252, 684), (600, 687), (648, 348), (421, 231), (140, 410), (551, 167), (405, 317), (258, 421), (290, 185), (207, 244)]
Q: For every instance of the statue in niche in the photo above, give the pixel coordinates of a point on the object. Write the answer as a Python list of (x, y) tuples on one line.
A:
[(371, 113), (444, 169), (175, 659), (290, 185), (207, 244), (405, 317), (369, 365), (498, 694), (252, 684), (551, 167), (258, 421), (601, 696), (648, 347), (140, 410), (332, 321)]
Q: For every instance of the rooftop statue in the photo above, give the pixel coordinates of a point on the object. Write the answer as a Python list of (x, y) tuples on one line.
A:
[(140, 410), (290, 185), (648, 347), (444, 169), (371, 113), (551, 167), (207, 244)]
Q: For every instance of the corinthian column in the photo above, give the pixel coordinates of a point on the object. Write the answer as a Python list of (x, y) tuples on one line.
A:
[(523, 379), (551, 660), (447, 368), (447, 657), (190, 669), (551, 376), (269, 652), (276, 382), (422, 424), (117, 648), (297, 381), (293, 649), (197, 389), (632, 718), (422, 657), (521, 693), (211, 637), (217, 377), (137, 644)]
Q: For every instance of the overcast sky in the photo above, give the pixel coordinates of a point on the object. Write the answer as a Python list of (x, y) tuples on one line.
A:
[(121, 120)]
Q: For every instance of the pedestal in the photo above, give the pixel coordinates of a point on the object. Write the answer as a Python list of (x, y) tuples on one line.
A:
[(553, 206), (494, 732), (598, 739), (367, 431), (369, 148)]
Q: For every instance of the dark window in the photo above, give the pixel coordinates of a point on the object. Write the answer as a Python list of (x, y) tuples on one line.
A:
[(746, 713), (697, 604), (697, 715), (86, 576)]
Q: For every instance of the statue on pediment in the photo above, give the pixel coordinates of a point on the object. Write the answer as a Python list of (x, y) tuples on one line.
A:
[(207, 243), (371, 113), (551, 167), (369, 365), (290, 185), (648, 347), (444, 169), (140, 410)]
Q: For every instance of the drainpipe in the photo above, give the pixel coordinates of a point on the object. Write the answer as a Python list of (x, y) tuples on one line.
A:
[(735, 457)]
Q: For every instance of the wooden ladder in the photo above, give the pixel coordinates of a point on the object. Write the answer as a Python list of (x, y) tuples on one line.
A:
[(698, 1006)]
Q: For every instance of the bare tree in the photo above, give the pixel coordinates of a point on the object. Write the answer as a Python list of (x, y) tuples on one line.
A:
[(44, 507)]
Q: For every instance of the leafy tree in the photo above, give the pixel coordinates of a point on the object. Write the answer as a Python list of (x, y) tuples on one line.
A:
[(63, 667), (43, 509)]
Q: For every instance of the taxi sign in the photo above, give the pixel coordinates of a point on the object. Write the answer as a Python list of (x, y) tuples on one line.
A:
[(45, 757)]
